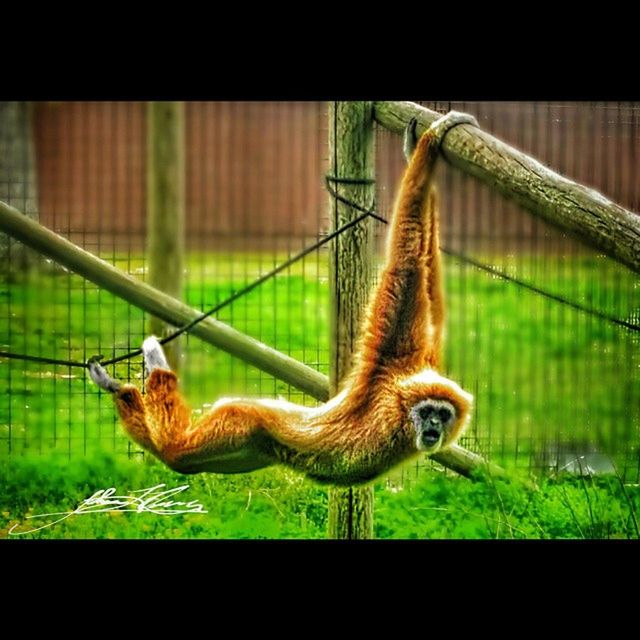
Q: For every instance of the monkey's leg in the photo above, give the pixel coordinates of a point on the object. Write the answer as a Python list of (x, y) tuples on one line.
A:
[(230, 439), (233, 438), (129, 404)]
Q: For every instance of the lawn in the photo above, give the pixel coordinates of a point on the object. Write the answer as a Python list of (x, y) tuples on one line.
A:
[(545, 376), (281, 504)]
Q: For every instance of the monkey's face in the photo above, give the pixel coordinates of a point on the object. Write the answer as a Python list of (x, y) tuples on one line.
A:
[(438, 410), (432, 420)]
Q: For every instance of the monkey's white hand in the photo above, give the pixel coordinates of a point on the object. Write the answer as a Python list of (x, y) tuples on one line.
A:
[(443, 124)]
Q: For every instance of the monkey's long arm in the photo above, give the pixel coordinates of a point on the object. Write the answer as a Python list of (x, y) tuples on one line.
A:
[(408, 303), (397, 316), (396, 322)]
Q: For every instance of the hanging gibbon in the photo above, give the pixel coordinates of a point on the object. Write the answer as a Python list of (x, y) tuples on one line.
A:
[(394, 404)]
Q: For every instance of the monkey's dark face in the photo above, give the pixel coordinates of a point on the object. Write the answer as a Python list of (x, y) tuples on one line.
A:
[(438, 409), (433, 420)]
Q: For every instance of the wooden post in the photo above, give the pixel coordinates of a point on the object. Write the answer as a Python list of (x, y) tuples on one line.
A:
[(18, 185), (352, 155), (165, 208)]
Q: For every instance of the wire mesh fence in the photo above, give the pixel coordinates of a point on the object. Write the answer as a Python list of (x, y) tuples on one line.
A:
[(550, 381)]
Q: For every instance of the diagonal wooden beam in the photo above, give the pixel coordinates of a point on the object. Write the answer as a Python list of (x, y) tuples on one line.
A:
[(160, 304), (568, 205)]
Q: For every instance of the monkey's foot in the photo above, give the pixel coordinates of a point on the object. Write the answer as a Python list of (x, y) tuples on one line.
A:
[(101, 377), (445, 123), (154, 357)]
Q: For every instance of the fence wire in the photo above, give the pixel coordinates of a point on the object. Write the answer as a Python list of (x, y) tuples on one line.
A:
[(549, 380)]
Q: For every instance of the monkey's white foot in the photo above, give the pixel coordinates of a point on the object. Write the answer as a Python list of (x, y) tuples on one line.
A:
[(154, 357), (99, 375), (445, 123)]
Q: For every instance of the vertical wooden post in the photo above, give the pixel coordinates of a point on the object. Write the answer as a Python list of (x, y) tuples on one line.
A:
[(18, 180), (165, 207), (352, 155)]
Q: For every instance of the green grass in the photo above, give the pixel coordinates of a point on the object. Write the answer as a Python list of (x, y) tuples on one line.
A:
[(540, 372), (281, 504)]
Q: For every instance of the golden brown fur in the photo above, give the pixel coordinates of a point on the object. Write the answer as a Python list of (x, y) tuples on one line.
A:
[(367, 428)]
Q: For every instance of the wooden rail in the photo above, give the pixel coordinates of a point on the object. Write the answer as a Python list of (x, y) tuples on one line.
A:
[(573, 207)]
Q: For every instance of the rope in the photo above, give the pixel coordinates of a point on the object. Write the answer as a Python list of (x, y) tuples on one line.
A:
[(20, 356), (351, 203), (546, 294), (350, 180)]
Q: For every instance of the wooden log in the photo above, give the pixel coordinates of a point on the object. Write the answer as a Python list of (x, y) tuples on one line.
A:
[(467, 463), (575, 208)]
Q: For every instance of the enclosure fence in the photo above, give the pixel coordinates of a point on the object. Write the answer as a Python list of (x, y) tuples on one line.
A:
[(553, 375)]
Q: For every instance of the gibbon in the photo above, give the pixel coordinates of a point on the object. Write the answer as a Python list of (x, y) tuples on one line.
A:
[(393, 404)]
